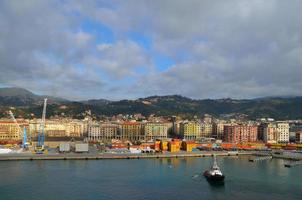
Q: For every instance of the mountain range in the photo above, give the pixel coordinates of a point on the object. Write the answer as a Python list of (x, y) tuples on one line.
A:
[(28, 104)]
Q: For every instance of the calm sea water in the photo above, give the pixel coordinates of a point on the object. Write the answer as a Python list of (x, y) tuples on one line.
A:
[(148, 179)]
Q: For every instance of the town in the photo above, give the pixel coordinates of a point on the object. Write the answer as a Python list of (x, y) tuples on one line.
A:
[(137, 133)]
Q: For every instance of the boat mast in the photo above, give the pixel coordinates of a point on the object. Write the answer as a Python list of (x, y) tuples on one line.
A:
[(215, 166)]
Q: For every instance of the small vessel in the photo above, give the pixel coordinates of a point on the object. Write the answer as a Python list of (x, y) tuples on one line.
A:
[(135, 150), (214, 174)]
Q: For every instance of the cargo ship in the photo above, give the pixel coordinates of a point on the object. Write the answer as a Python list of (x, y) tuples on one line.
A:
[(214, 175)]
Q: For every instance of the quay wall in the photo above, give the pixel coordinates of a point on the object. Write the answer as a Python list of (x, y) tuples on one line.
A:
[(104, 156)]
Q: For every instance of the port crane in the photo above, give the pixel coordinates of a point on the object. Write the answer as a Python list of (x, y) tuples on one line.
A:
[(41, 135), (24, 144)]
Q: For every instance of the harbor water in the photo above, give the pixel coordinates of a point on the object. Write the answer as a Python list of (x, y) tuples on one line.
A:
[(177, 178)]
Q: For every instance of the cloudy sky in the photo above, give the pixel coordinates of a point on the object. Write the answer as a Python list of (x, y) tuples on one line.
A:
[(136, 48)]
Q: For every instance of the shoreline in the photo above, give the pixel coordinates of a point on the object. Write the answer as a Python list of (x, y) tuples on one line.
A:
[(87, 156)]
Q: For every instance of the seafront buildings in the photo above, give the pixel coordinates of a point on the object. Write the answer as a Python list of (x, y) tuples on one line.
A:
[(274, 132), (132, 131), (151, 129), (59, 128)]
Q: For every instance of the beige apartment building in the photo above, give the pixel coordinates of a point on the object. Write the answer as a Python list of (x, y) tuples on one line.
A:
[(103, 131), (59, 128), (155, 131)]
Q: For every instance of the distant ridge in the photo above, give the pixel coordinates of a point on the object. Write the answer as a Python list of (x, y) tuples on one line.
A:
[(287, 107), (15, 96), (15, 91)]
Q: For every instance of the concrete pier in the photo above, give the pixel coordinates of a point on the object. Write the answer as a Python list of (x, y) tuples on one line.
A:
[(257, 159), (87, 156)]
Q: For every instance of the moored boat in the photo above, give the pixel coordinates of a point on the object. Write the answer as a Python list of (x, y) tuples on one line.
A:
[(214, 174)]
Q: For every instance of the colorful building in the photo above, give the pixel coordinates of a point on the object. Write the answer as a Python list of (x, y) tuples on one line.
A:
[(190, 130), (240, 133)]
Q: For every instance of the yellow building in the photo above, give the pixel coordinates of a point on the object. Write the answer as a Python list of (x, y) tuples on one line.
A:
[(190, 130)]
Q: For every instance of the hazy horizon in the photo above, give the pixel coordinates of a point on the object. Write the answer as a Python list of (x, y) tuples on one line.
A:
[(142, 97), (118, 49)]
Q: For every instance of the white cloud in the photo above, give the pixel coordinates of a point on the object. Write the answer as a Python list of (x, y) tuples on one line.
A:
[(236, 48), (119, 59)]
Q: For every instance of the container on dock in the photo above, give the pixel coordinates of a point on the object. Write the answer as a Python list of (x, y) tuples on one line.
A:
[(188, 146), (157, 145), (81, 147), (174, 146), (64, 147), (164, 145)]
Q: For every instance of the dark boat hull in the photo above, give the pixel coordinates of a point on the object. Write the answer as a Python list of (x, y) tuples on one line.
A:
[(213, 178)]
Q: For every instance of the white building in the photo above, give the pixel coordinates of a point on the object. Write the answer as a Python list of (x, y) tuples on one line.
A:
[(282, 132)]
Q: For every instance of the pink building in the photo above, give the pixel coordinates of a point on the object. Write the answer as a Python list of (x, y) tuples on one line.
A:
[(240, 133)]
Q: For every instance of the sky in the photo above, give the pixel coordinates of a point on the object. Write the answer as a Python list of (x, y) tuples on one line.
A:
[(127, 49)]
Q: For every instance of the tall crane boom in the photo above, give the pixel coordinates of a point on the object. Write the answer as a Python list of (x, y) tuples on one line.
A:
[(24, 136), (41, 135), (15, 121)]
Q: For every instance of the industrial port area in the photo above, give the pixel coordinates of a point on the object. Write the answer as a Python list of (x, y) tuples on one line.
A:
[(135, 137)]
